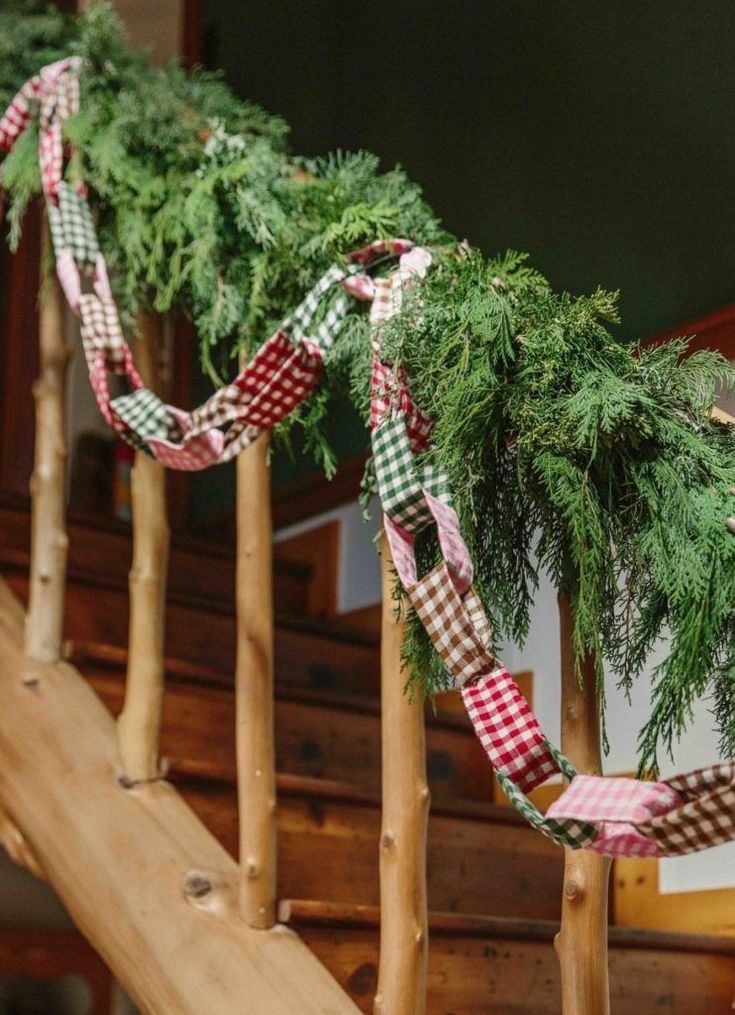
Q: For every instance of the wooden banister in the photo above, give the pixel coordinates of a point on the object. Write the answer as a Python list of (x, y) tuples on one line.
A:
[(403, 907), (140, 720), (256, 784), (581, 944), (142, 878), (49, 540)]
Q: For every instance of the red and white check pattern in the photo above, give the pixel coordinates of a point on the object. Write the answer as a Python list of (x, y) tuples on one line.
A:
[(17, 116), (278, 378), (615, 839), (594, 798), (508, 730), (389, 393)]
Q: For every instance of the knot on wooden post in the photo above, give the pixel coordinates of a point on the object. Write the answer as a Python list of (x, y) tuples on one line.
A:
[(573, 889)]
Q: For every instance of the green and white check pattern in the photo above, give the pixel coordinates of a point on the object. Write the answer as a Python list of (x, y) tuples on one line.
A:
[(146, 415), (72, 226), (576, 834), (401, 481), (298, 325)]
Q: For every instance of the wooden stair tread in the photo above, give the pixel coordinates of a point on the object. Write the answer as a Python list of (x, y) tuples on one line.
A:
[(311, 912)]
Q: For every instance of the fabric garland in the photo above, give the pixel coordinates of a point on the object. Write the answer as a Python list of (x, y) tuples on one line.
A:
[(613, 816)]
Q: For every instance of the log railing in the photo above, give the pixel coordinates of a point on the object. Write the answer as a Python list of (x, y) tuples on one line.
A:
[(139, 723), (49, 541), (404, 922), (582, 941), (256, 778)]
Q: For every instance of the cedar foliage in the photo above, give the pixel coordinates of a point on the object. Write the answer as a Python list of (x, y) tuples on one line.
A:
[(566, 449)]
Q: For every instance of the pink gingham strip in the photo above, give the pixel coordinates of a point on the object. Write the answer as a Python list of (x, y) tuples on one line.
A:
[(614, 816)]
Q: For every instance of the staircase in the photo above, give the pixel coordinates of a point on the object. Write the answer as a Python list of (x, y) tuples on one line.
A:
[(494, 884)]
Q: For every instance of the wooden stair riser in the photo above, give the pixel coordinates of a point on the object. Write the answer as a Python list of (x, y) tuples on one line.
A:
[(494, 976), (303, 656), (312, 739), (328, 849), (198, 574)]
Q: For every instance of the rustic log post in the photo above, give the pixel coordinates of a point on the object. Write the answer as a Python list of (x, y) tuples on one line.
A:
[(403, 909), (139, 722), (581, 944), (256, 779), (49, 541)]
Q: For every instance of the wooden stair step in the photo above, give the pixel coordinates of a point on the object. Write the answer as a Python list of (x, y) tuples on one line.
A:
[(480, 856), (324, 734), (307, 653), (480, 965), (200, 574)]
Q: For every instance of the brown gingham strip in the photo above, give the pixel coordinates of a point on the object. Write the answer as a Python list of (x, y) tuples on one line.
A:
[(465, 648), (705, 820)]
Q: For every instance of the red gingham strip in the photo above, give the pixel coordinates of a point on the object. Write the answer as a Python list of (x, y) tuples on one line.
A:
[(278, 378), (508, 730), (17, 116)]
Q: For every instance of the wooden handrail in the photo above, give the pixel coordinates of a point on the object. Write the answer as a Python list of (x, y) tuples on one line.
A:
[(49, 540), (139, 723), (581, 944), (256, 784), (143, 880), (404, 924)]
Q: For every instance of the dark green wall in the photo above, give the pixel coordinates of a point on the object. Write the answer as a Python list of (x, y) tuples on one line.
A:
[(598, 136)]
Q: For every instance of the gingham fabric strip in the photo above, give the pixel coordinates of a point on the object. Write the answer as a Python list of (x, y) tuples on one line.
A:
[(595, 798), (401, 481), (617, 817), (706, 819), (509, 731), (576, 834)]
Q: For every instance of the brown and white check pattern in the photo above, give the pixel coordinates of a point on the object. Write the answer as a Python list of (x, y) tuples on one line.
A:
[(706, 819), (465, 648)]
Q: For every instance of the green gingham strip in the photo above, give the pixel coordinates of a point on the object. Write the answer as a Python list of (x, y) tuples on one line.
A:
[(299, 324), (576, 834), (401, 480), (72, 227), (146, 416)]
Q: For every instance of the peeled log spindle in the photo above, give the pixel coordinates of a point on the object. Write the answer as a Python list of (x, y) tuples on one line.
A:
[(256, 780), (139, 723), (581, 944), (49, 541), (403, 916)]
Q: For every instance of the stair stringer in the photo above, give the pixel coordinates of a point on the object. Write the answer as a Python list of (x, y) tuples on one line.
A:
[(147, 884)]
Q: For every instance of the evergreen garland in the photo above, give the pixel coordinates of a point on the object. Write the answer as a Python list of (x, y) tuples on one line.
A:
[(566, 449)]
